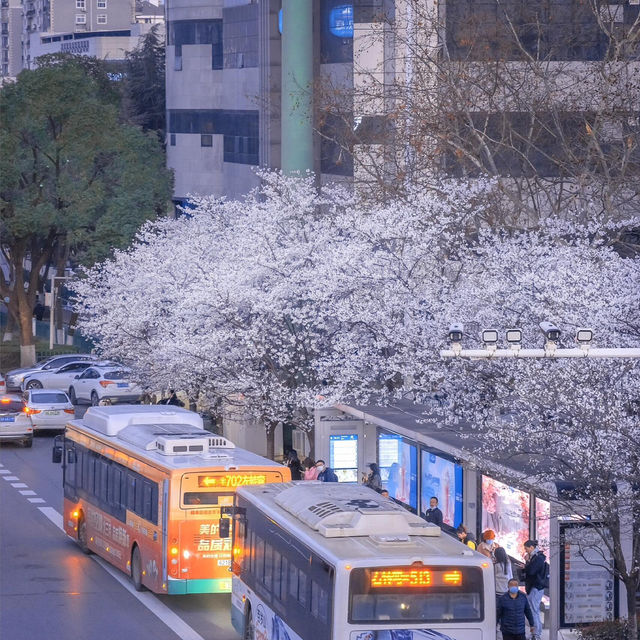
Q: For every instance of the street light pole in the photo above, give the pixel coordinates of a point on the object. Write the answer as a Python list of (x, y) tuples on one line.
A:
[(53, 306)]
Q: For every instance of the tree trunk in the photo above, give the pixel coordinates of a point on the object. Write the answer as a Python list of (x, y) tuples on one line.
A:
[(7, 336), (631, 587), (271, 438), (311, 441), (27, 342)]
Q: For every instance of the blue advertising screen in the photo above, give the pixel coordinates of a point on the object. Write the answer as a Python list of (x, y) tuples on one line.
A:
[(341, 21), (398, 461), (442, 478), (343, 457)]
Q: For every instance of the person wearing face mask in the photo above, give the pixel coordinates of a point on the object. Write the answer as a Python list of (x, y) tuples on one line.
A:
[(488, 545), (513, 608), (325, 474)]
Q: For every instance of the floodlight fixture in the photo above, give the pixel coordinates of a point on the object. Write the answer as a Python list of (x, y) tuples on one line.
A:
[(490, 337), (584, 336), (514, 336)]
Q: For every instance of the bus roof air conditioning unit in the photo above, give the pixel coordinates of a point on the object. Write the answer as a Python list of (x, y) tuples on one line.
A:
[(182, 446)]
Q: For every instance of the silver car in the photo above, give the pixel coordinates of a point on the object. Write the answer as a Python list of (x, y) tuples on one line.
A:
[(15, 377), (15, 424), (48, 409), (59, 378)]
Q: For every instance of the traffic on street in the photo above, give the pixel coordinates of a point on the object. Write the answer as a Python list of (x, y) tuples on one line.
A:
[(50, 589)]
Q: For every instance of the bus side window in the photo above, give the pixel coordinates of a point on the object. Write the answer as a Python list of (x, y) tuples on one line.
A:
[(259, 559), (319, 602), (131, 492), (283, 585), (302, 588), (277, 576), (293, 582), (268, 565)]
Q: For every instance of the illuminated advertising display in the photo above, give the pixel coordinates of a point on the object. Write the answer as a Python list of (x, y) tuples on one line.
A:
[(343, 457), (543, 528), (442, 478), (506, 511), (398, 461), (341, 21)]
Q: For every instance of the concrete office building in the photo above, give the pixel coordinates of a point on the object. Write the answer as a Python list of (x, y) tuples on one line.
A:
[(224, 78), (10, 38), (105, 29)]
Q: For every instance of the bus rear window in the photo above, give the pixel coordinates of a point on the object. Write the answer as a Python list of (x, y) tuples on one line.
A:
[(409, 594), (197, 498)]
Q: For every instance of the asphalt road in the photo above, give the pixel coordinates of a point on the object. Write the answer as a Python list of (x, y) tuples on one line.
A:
[(50, 589)]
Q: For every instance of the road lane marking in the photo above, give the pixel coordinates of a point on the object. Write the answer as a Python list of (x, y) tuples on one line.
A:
[(3, 471), (11, 478), (28, 492), (51, 513), (19, 485), (171, 619), (160, 610), (36, 500)]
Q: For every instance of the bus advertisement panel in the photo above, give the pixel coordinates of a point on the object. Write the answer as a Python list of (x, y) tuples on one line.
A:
[(148, 490)]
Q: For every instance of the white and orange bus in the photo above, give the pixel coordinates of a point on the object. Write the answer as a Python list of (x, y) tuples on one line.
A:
[(147, 488)]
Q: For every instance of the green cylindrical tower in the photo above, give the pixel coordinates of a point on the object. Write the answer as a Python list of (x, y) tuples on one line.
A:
[(297, 85)]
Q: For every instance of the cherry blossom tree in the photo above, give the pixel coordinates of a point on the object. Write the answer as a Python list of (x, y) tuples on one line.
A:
[(298, 297)]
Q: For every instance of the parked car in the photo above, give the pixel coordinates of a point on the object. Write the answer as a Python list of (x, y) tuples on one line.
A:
[(15, 377), (3, 384), (99, 384), (48, 408), (15, 424), (59, 378)]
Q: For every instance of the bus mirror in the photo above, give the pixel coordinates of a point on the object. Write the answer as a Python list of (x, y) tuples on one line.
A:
[(71, 456), (224, 527), (56, 453)]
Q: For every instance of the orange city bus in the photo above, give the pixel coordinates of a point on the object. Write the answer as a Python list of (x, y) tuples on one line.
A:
[(148, 489)]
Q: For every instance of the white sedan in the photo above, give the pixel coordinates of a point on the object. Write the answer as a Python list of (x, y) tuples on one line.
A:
[(48, 408), (104, 384), (59, 378)]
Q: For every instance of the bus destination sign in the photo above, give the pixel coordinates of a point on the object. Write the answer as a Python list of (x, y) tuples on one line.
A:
[(231, 480)]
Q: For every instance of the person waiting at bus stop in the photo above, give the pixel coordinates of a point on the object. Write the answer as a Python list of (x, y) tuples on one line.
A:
[(513, 608), (325, 474), (465, 536)]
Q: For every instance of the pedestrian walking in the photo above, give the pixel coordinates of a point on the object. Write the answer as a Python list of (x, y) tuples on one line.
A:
[(488, 544), (310, 471), (465, 536), (373, 480), (535, 581), (513, 608), (502, 571), (294, 464), (325, 474), (433, 513)]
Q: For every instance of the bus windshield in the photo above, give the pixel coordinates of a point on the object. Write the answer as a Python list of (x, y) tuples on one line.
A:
[(415, 593)]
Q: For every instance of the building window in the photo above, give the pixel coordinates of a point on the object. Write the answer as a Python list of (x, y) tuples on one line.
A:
[(206, 140), (102, 18), (102, 4), (172, 139), (80, 4), (81, 19)]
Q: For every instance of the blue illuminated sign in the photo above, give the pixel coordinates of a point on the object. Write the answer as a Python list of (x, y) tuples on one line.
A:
[(341, 21)]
